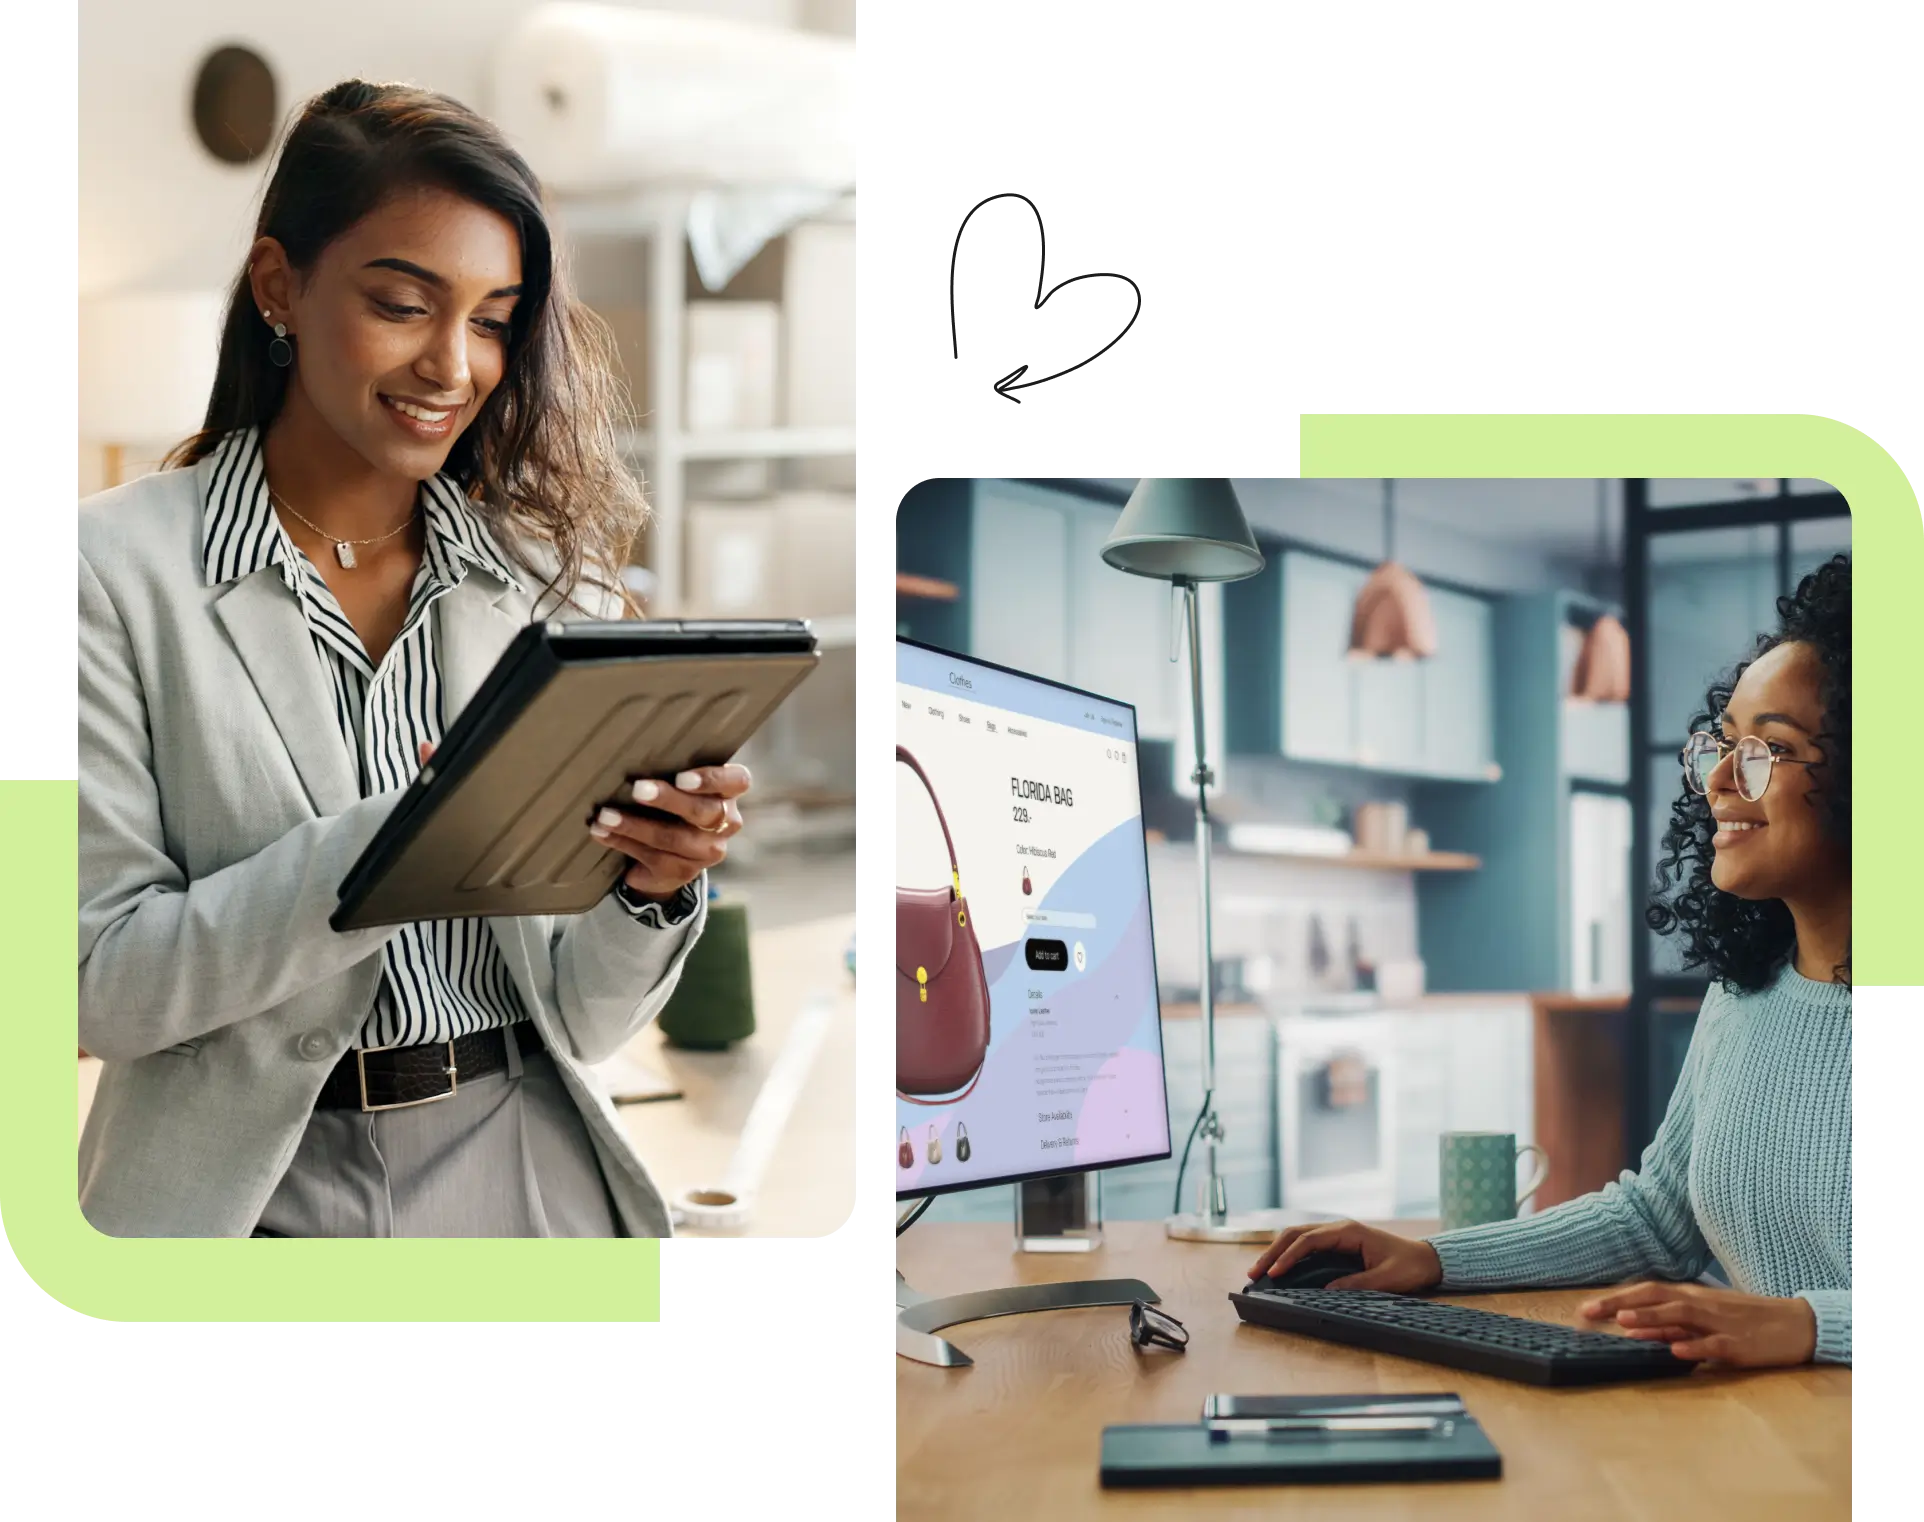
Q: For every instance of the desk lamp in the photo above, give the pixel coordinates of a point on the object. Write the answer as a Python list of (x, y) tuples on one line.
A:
[(1187, 532)]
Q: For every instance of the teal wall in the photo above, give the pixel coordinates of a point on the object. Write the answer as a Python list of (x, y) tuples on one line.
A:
[(1503, 926)]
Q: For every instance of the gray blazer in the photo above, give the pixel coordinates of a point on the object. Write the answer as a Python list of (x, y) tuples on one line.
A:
[(219, 811)]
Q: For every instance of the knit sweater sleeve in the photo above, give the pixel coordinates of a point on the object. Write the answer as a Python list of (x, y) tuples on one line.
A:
[(1640, 1225), (1832, 1308)]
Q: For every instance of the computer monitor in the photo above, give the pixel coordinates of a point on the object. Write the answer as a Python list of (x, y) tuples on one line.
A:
[(1028, 1028)]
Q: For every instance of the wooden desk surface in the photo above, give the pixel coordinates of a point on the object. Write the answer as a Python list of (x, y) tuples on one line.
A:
[(1018, 1434), (809, 1188)]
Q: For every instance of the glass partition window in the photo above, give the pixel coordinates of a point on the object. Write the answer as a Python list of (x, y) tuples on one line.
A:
[(1712, 592), (1696, 493), (1814, 541)]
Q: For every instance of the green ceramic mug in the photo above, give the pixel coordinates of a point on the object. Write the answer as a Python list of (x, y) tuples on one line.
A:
[(1479, 1176)]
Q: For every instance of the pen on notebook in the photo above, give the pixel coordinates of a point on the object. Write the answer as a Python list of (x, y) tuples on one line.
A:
[(1330, 1426), (1387, 1408), (1225, 1406)]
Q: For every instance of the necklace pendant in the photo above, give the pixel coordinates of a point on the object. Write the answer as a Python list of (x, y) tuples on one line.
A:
[(344, 553)]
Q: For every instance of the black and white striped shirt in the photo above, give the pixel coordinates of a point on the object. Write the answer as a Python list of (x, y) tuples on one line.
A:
[(440, 978)]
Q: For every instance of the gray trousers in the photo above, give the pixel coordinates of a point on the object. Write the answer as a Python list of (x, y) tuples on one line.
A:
[(507, 1156)]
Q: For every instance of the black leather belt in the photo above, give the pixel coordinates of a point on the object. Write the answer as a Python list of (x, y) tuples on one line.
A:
[(393, 1077)]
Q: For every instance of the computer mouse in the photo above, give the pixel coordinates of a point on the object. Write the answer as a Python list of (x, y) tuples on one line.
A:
[(1314, 1270)]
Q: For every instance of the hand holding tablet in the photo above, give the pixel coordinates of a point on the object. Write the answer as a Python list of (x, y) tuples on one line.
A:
[(681, 831), (670, 852), (529, 805)]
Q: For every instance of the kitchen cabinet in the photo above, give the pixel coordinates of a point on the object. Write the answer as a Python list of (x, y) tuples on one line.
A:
[(1041, 599), (1595, 736), (1019, 563), (1245, 1070), (1458, 710), (1245, 1090), (1337, 1095), (1596, 741), (1389, 714), (1551, 833), (1121, 636), (1318, 680), (1579, 1052), (1462, 1066), (1429, 718)]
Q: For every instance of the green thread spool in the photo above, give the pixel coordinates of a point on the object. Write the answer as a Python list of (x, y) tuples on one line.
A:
[(713, 1005)]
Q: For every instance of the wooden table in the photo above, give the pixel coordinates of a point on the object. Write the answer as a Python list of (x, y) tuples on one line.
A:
[(1017, 1435), (809, 1188)]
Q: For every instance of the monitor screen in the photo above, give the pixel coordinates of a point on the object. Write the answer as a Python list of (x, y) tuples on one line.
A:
[(1028, 1030)]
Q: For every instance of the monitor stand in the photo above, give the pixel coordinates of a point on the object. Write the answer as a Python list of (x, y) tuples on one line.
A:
[(918, 1317)]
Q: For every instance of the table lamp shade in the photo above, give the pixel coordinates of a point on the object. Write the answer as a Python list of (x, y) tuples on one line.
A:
[(1188, 530), (147, 364)]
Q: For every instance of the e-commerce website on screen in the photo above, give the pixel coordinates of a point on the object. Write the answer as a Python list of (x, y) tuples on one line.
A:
[(1039, 789)]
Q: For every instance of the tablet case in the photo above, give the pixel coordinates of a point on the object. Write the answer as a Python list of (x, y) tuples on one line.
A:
[(1188, 1455), (497, 822)]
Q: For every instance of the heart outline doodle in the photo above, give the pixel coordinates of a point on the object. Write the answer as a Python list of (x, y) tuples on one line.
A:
[(1013, 382)]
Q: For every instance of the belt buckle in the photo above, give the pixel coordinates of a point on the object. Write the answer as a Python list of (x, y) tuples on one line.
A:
[(360, 1064)]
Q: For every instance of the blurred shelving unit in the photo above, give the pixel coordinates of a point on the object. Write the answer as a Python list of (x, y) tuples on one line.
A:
[(660, 444), (658, 222)]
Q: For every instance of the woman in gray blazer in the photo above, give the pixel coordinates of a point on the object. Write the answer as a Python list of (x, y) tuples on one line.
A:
[(408, 454)]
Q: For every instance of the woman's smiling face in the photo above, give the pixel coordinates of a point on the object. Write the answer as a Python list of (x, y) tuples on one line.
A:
[(1776, 847), (401, 328)]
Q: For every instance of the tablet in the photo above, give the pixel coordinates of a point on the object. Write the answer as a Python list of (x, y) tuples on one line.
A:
[(497, 822)]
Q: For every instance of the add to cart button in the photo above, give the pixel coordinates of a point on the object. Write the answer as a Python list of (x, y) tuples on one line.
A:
[(1047, 956), (1067, 919)]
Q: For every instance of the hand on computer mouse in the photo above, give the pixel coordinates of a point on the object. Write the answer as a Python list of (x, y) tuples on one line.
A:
[(1392, 1263)]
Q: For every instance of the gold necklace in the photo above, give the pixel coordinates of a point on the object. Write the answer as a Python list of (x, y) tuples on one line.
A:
[(343, 548)]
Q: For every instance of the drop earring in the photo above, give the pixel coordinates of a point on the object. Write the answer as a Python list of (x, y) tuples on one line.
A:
[(280, 351)]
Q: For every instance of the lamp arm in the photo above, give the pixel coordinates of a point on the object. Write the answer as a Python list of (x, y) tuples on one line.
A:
[(1215, 1195)]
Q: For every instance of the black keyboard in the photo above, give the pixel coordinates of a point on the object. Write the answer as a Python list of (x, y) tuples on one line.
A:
[(1483, 1342)]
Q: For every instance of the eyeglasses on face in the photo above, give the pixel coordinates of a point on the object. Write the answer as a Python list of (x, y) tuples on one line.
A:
[(1703, 753)]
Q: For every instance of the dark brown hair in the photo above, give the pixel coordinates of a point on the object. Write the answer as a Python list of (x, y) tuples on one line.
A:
[(540, 461)]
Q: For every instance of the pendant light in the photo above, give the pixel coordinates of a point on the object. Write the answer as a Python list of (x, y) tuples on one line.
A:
[(1602, 672), (1392, 616)]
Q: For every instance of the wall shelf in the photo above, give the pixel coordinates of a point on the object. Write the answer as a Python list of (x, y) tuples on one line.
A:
[(1375, 861), (749, 444), (925, 586)]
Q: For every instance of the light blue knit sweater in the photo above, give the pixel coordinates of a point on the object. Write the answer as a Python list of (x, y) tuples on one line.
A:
[(1752, 1166)]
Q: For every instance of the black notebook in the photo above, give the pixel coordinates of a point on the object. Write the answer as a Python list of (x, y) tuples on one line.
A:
[(1305, 1440)]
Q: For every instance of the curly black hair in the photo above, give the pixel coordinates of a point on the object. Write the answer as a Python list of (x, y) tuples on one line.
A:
[(1743, 942)]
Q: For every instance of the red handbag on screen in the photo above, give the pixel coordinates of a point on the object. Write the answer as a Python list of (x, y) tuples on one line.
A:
[(941, 993)]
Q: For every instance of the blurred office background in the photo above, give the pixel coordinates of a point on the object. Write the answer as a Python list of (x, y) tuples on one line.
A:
[(704, 197), (1428, 873)]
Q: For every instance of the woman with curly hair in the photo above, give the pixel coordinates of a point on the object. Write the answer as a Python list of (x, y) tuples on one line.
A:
[(1751, 1166), (408, 454)]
